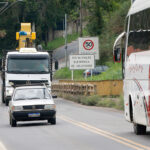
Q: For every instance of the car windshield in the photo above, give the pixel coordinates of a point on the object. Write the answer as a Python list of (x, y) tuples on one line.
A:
[(31, 94), (32, 66)]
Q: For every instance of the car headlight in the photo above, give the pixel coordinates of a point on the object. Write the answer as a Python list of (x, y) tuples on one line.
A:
[(51, 107), (17, 108)]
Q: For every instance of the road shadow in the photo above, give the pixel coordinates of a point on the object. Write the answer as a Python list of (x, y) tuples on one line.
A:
[(33, 124)]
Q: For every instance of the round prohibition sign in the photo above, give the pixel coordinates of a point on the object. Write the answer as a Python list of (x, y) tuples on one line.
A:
[(88, 45)]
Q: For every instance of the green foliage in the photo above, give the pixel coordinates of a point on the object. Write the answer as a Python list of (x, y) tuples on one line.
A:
[(56, 43), (96, 100), (47, 15), (114, 25), (65, 73), (113, 73), (90, 101)]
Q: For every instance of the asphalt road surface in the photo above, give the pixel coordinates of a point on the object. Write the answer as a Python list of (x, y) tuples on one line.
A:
[(59, 53), (78, 128)]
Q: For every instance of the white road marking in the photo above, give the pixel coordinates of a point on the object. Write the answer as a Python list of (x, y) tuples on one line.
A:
[(2, 147)]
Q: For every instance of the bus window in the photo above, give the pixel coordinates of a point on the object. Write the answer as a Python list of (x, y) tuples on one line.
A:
[(138, 41)]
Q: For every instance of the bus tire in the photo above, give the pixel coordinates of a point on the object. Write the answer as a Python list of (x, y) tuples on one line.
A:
[(139, 129)]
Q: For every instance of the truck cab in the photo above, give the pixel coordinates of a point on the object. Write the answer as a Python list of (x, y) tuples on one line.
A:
[(26, 66)]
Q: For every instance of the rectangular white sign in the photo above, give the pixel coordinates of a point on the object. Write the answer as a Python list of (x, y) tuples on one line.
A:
[(78, 62), (89, 46)]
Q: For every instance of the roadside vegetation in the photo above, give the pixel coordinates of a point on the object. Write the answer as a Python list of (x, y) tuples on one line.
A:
[(95, 100), (58, 42), (113, 73)]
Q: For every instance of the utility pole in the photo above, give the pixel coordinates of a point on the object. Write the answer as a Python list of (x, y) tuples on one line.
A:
[(80, 18), (66, 39)]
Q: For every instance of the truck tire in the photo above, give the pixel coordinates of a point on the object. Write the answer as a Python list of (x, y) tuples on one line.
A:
[(13, 122), (6, 102), (52, 121), (139, 129), (3, 98)]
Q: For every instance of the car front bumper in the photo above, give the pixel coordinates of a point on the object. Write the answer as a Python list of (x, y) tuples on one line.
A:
[(24, 115)]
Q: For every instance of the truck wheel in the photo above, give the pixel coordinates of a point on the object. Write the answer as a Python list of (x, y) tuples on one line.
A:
[(6, 102), (139, 129), (13, 122), (52, 121), (3, 98)]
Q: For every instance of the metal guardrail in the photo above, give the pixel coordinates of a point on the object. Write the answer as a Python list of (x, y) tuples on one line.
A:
[(74, 88)]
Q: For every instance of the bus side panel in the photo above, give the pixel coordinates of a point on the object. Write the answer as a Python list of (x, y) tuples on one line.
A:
[(136, 113), (126, 88)]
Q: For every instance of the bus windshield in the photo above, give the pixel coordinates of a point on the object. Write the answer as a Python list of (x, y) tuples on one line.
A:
[(29, 65)]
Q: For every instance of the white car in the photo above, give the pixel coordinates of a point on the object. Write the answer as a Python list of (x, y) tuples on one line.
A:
[(31, 103)]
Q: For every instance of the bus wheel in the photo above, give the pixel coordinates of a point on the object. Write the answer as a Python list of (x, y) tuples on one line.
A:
[(139, 129)]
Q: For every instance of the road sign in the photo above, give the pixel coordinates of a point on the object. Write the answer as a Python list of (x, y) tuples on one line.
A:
[(89, 46), (78, 62)]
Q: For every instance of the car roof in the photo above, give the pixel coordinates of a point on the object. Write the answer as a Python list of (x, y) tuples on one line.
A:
[(30, 87)]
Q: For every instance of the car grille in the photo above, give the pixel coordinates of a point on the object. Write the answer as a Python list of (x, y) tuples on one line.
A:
[(33, 107)]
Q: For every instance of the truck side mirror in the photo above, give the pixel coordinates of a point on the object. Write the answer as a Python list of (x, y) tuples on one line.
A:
[(54, 96), (0, 64), (117, 55), (56, 65)]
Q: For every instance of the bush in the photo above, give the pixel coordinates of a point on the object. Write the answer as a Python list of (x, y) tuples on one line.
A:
[(90, 101), (106, 103), (97, 100)]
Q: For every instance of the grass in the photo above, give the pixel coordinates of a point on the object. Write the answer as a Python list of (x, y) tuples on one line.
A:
[(65, 73), (96, 100), (113, 73), (58, 42)]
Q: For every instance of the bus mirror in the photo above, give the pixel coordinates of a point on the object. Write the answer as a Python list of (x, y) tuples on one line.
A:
[(117, 55), (56, 65)]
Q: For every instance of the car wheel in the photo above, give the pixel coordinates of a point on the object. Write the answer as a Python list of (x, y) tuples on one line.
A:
[(52, 121), (13, 122), (139, 129)]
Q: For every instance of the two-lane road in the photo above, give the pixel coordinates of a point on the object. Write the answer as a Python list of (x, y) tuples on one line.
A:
[(78, 127)]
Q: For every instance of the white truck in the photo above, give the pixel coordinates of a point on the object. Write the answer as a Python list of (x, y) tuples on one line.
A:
[(27, 66), (134, 46)]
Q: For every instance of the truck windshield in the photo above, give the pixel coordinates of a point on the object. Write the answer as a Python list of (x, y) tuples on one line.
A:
[(29, 65), (31, 94)]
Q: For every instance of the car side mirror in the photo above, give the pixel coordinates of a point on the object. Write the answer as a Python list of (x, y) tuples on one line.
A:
[(54, 96), (117, 55)]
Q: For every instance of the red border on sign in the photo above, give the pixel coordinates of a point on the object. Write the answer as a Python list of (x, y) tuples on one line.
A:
[(87, 48)]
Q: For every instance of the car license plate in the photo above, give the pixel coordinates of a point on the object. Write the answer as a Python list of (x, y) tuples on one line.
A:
[(34, 115)]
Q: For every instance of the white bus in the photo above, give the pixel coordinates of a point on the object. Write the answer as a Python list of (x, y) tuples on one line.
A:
[(133, 48)]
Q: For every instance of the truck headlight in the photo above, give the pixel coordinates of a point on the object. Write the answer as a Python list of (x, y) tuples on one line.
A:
[(51, 107), (17, 108), (9, 91)]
